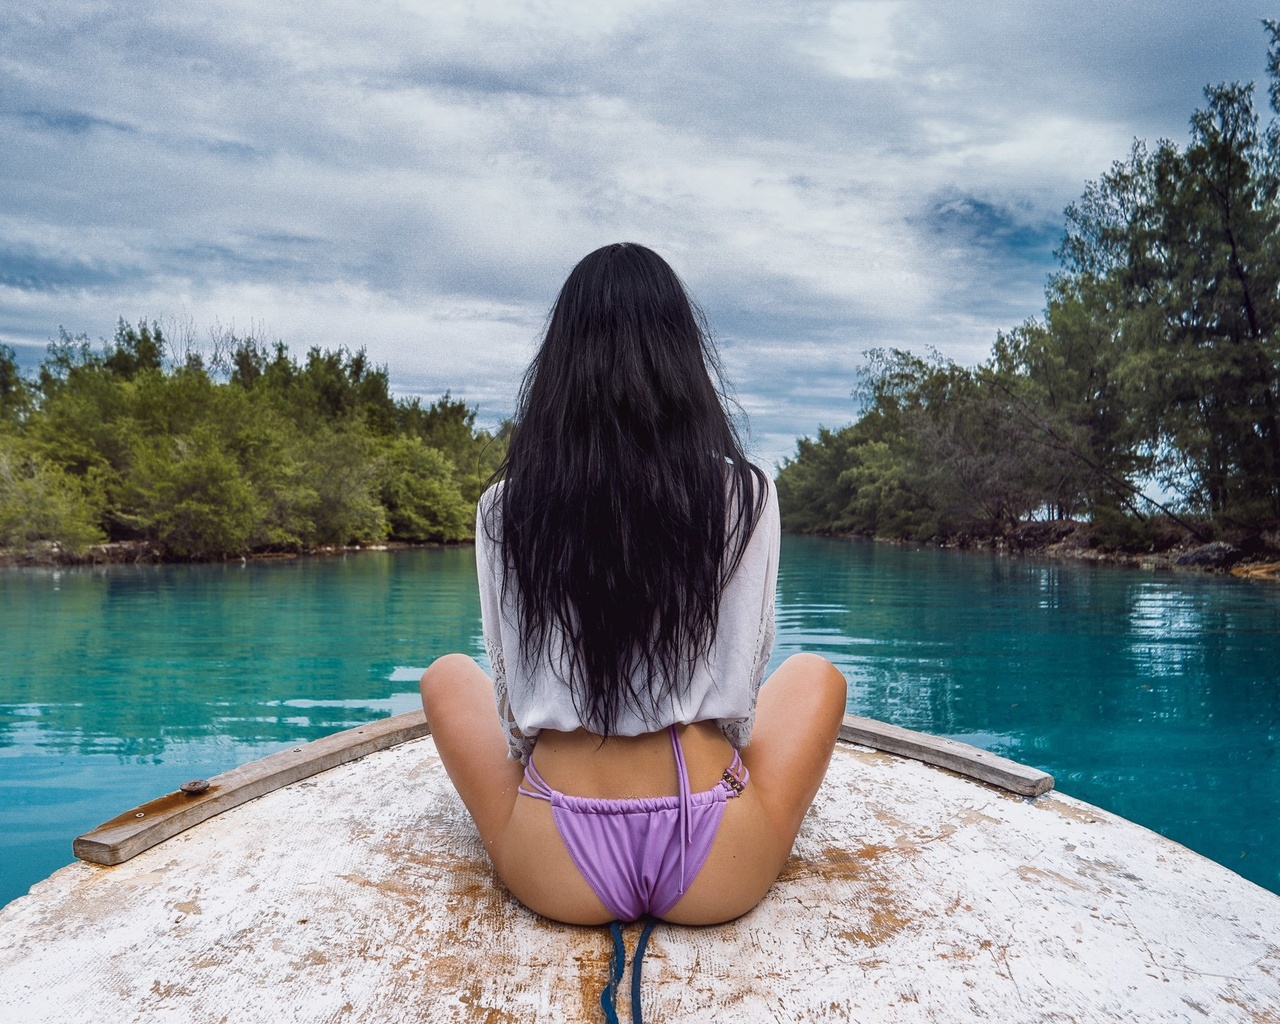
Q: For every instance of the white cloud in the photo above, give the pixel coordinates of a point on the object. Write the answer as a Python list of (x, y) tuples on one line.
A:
[(861, 39), (418, 177)]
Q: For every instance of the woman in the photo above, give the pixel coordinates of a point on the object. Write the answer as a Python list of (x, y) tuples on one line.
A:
[(627, 566)]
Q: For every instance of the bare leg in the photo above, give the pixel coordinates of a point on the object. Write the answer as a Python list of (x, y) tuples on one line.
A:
[(457, 698), (797, 722)]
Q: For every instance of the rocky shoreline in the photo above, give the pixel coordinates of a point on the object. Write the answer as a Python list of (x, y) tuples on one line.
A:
[(129, 552), (1174, 549)]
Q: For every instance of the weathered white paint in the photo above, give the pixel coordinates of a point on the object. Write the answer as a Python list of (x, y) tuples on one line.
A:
[(913, 895)]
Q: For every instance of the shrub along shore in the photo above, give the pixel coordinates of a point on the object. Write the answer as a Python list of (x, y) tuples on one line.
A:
[(132, 452)]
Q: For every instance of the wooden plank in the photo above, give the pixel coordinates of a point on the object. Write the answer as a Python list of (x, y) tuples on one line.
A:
[(141, 828), (128, 834), (958, 757)]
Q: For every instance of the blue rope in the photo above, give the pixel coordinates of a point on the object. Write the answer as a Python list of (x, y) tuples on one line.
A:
[(617, 964), (636, 1016), (617, 961)]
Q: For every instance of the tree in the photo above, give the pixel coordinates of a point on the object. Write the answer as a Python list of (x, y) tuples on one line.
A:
[(39, 501), (14, 394), (1158, 355), (1061, 380), (449, 426), (188, 494), (342, 467), (1174, 254), (275, 456), (135, 349), (420, 494)]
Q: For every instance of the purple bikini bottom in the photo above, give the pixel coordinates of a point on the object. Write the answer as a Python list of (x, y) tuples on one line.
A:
[(639, 855)]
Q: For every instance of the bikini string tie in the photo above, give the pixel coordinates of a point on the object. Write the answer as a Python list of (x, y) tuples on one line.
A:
[(686, 827)]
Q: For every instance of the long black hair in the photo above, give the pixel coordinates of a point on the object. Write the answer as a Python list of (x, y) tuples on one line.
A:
[(628, 501)]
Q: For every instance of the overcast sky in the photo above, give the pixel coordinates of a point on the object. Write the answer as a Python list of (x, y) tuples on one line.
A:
[(418, 177)]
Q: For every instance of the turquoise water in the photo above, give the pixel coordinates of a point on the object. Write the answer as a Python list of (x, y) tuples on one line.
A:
[(1156, 696)]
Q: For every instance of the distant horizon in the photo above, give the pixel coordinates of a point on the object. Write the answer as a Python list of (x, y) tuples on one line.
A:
[(417, 180)]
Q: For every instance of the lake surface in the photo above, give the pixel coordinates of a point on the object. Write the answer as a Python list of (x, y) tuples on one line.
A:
[(1156, 696)]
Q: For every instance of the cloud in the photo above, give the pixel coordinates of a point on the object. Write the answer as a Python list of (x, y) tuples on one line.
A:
[(419, 177)]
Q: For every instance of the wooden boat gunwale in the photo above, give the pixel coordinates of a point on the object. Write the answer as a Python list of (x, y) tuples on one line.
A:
[(147, 825)]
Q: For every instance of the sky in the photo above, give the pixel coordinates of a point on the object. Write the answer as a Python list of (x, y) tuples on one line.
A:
[(418, 177)]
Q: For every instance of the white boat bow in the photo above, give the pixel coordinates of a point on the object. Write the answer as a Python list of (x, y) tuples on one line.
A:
[(913, 894)]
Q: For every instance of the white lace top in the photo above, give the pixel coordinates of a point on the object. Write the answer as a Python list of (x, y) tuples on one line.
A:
[(531, 696)]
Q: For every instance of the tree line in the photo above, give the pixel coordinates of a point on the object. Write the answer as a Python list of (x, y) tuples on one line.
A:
[(1157, 360), (254, 452)]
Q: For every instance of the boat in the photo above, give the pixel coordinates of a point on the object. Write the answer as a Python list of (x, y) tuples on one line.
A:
[(343, 880)]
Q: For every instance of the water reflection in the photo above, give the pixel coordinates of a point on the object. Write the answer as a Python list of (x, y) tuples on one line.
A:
[(130, 660), (1157, 697)]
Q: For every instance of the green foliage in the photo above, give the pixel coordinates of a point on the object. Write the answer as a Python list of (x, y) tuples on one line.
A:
[(885, 496), (449, 426), (189, 495), (421, 496), (39, 501), (939, 450), (135, 350), (1063, 379), (1115, 530), (343, 467), (866, 478), (81, 420), (811, 495), (272, 452), (331, 385), (280, 456), (13, 389), (1176, 253)]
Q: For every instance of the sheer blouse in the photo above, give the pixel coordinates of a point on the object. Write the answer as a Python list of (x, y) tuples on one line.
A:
[(531, 695)]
